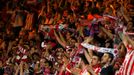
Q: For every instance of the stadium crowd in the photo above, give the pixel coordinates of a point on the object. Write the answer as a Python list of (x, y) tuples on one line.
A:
[(66, 37)]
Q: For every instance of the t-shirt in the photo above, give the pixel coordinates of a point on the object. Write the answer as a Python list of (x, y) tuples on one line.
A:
[(107, 70), (97, 69), (1, 71)]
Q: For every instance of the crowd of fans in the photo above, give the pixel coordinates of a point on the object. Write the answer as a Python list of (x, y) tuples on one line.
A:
[(66, 37)]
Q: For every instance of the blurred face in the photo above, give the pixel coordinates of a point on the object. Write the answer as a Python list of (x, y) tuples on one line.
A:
[(42, 62), (107, 45), (60, 49), (21, 42), (122, 51), (105, 58), (36, 57), (65, 13), (26, 66), (95, 60), (101, 34), (59, 55), (46, 65), (129, 26), (68, 36), (72, 42)]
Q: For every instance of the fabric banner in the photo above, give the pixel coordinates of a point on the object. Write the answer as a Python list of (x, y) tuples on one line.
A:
[(100, 49)]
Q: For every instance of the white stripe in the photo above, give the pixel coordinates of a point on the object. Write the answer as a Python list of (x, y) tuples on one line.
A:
[(68, 70), (96, 70), (125, 63), (24, 57), (87, 45), (127, 58), (99, 49), (18, 57)]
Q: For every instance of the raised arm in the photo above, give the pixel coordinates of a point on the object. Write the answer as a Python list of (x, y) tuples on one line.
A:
[(99, 49), (88, 39), (60, 2), (17, 68), (59, 40), (110, 35), (42, 10), (88, 57), (93, 5), (88, 54), (127, 41), (62, 38), (21, 68)]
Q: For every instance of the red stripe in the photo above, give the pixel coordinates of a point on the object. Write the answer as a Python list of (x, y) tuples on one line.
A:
[(132, 69), (124, 64), (127, 65), (121, 73), (123, 67)]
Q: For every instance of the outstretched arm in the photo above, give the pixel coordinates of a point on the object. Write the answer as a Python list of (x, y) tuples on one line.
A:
[(110, 35), (59, 40), (126, 40)]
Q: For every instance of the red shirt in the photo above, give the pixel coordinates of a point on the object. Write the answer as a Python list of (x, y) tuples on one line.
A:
[(97, 69)]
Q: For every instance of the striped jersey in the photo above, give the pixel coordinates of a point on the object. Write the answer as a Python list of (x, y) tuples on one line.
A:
[(127, 67)]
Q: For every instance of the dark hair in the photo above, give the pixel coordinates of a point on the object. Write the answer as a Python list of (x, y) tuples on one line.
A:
[(49, 63), (35, 54), (83, 58), (98, 55)]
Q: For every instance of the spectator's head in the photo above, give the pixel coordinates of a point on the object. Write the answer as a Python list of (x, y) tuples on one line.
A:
[(21, 42), (107, 58), (109, 43), (130, 26), (68, 36), (26, 66), (48, 64), (95, 60), (72, 42), (35, 56), (42, 62), (122, 50), (59, 57)]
